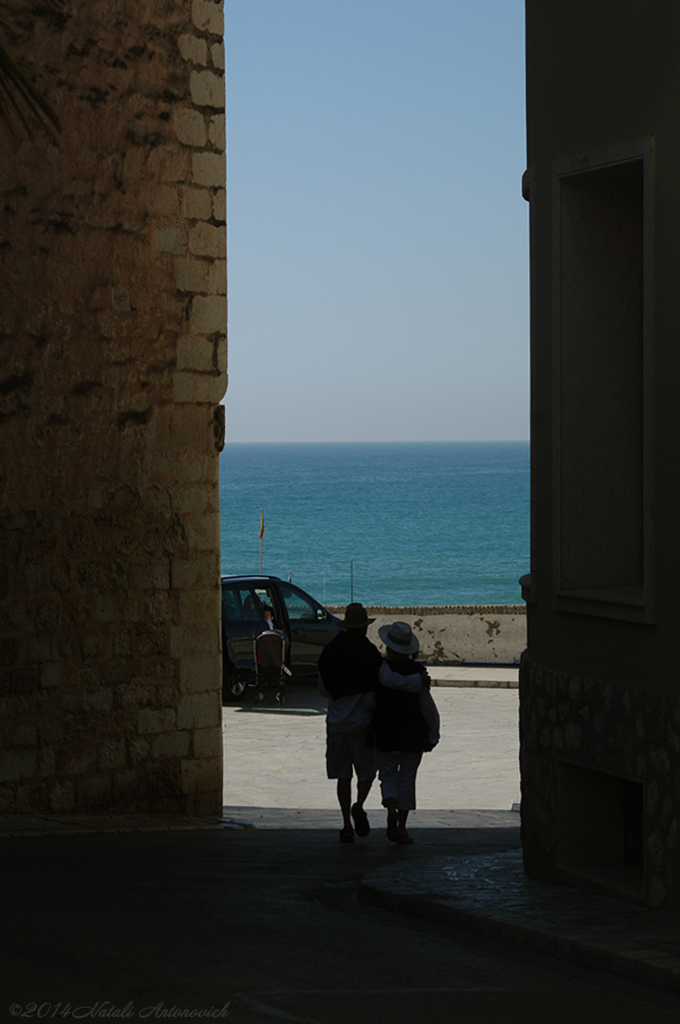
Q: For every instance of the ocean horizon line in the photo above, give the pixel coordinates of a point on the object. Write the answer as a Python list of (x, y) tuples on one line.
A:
[(520, 440)]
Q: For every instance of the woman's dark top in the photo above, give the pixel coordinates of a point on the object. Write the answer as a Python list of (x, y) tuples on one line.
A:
[(398, 723)]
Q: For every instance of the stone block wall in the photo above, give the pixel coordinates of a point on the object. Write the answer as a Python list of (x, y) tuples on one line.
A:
[(458, 634), (112, 367)]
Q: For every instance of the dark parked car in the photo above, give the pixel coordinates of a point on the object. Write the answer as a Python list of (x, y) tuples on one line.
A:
[(247, 601)]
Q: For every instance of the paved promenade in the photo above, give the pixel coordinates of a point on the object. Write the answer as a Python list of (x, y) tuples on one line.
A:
[(274, 759)]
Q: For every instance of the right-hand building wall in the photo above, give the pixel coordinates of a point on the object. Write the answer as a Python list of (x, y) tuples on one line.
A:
[(600, 683)]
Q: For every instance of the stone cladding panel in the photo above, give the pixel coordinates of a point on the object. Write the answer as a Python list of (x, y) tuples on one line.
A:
[(622, 731)]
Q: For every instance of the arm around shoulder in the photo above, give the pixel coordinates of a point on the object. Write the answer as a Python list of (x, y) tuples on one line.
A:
[(396, 681)]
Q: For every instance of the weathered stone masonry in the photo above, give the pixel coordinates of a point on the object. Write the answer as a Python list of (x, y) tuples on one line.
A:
[(614, 731), (112, 365)]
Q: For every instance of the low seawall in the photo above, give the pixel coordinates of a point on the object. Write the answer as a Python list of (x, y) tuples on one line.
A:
[(459, 634)]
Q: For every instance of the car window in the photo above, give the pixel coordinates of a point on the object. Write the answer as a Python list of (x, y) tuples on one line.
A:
[(298, 605), (265, 599), (231, 604), (241, 604)]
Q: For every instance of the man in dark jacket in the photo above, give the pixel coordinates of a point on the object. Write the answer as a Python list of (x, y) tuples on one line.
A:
[(348, 675)]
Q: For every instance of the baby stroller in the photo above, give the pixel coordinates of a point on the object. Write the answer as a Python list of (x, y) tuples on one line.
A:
[(270, 669)]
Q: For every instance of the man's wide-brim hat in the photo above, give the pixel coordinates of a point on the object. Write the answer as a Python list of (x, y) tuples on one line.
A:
[(399, 637), (356, 617)]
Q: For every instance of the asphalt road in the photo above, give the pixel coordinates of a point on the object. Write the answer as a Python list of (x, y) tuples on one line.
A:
[(263, 925)]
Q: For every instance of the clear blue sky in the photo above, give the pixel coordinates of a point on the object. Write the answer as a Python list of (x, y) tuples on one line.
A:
[(377, 237)]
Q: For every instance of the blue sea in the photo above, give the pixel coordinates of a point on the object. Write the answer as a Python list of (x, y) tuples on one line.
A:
[(442, 523)]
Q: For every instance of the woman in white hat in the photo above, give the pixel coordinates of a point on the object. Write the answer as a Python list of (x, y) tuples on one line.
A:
[(402, 732)]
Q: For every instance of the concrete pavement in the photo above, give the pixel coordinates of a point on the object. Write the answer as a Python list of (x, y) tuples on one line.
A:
[(275, 758)]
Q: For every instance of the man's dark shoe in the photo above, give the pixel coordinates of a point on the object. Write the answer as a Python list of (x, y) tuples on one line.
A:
[(360, 821), (347, 834)]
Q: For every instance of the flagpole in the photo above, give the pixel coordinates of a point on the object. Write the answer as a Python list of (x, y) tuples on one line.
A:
[(261, 536)]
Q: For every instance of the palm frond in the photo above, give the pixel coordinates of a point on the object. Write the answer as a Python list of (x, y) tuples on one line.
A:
[(19, 94)]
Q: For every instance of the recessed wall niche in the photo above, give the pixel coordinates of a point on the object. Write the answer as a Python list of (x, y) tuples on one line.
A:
[(602, 365), (600, 829)]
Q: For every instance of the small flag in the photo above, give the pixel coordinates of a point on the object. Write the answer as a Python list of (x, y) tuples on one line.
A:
[(261, 523)]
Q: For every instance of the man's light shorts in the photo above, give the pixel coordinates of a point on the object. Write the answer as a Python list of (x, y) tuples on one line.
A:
[(347, 749)]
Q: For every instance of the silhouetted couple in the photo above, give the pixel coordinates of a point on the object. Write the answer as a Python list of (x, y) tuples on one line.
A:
[(380, 716)]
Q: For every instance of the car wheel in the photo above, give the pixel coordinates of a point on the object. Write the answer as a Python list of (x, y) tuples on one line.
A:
[(233, 687)]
